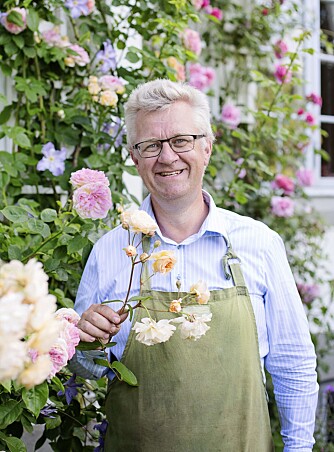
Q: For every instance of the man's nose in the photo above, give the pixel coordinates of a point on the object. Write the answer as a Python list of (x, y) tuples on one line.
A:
[(167, 155)]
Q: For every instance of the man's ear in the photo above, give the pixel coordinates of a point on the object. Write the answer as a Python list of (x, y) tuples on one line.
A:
[(134, 158), (207, 152)]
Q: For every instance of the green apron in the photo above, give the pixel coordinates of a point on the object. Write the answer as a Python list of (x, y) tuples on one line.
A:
[(194, 396)]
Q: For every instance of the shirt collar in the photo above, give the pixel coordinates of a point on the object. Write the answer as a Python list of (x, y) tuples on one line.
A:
[(212, 225)]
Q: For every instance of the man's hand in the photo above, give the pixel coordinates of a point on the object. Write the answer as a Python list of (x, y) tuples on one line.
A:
[(100, 321)]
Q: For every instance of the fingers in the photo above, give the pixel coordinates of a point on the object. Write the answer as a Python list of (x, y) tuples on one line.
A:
[(99, 321)]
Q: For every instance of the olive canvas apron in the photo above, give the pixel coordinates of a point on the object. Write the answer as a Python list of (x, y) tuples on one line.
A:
[(194, 396)]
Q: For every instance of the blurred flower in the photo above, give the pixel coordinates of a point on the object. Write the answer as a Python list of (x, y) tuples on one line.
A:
[(192, 40), (282, 74), (109, 82), (67, 314), (265, 11), (201, 292), (284, 183), (130, 251), (329, 388), (11, 26), (164, 261), (282, 206), (310, 119), (116, 130), (106, 58), (88, 176), (201, 77), (305, 177), (213, 11), (59, 356), (178, 67), (308, 292), (197, 4), (241, 172), (108, 98), (138, 221), (53, 160), (280, 48), (80, 7), (61, 114), (175, 305), (70, 389), (315, 99), (300, 112), (144, 257), (54, 38), (102, 428), (81, 58), (193, 326), (231, 115), (14, 315), (13, 354), (150, 332), (48, 411), (92, 200), (35, 372)]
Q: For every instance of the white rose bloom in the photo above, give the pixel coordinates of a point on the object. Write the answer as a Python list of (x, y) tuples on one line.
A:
[(13, 315), (43, 340), (13, 355), (150, 332), (30, 279), (139, 221), (42, 312), (200, 289), (35, 373), (194, 326)]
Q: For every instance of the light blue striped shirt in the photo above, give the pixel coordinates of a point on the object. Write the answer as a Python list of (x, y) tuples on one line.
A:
[(285, 346)]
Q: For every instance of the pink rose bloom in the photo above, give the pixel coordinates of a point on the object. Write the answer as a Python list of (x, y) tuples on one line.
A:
[(192, 41), (282, 207), (305, 177), (92, 200), (308, 292), (201, 77), (213, 11), (70, 333), (231, 115), (205, 3), (10, 26), (315, 99), (300, 112), (88, 176), (59, 356), (197, 4), (284, 183), (310, 119), (90, 5), (280, 48), (68, 314), (82, 57), (112, 82), (282, 74)]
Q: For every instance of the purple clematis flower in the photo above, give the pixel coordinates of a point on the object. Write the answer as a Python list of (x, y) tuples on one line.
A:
[(53, 160), (102, 428), (115, 130), (77, 8), (70, 389), (107, 57), (48, 410)]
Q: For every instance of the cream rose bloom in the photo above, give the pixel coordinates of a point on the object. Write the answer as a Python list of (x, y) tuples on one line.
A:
[(14, 315), (130, 251), (139, 221), (150, 332), (175, 305), (201, 292), (164, 261), (68, 314), (43, 340), (194, 326), (13, 354), (36, 372), (42, 312)]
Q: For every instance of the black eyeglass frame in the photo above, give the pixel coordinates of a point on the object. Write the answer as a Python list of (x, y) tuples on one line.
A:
[(167, 140)]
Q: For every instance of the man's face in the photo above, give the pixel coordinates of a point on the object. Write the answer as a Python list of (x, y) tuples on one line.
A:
[(171, 176)]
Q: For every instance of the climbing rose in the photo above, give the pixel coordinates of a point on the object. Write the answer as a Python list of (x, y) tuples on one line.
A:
[(282, 206), (92, 200), (10, 26), (194, 326), (231, 115), (305, 177), (282, 74), (284, 183), (87, 176), (164, 261), (150, 332), (192, 41), (280, 48), (201, 292)]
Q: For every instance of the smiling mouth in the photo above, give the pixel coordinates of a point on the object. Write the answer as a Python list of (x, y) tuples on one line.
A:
[(170, 173)]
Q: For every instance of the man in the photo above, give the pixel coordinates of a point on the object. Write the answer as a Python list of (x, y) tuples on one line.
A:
[(207, 395)]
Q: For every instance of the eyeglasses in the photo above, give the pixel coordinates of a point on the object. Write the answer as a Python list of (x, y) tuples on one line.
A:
[(179, 144)]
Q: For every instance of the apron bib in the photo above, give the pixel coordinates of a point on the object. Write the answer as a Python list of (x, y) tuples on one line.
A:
[(194, 396)]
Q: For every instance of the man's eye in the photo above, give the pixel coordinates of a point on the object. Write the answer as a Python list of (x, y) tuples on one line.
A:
[(151, 147), (180, 141)]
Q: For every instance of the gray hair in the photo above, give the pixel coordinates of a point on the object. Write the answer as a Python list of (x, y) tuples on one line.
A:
[(160, 94)]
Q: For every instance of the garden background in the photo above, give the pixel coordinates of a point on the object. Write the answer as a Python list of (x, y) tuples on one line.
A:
[(70, 66)]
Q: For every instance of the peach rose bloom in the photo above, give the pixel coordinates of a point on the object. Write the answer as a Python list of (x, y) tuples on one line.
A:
[(164, 261), (130, 251), (201, 292)]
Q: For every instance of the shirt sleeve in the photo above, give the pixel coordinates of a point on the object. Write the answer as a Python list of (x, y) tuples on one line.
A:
[(83, 363), (291, 360)]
